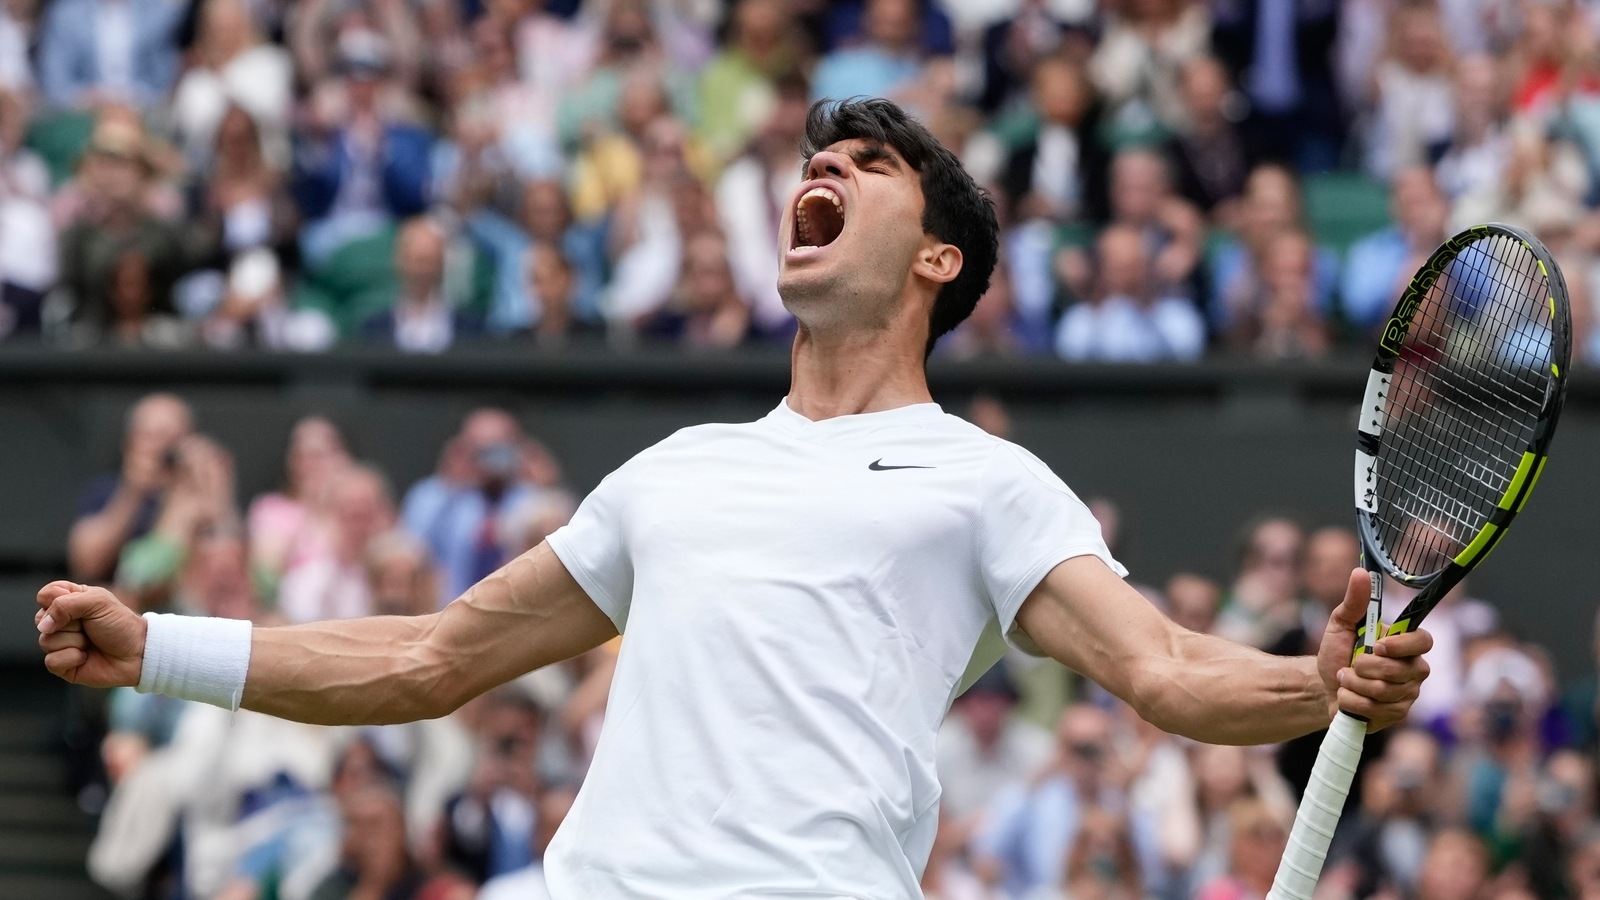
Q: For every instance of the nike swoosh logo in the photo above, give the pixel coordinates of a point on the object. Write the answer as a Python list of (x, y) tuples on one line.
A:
[(878, 466)]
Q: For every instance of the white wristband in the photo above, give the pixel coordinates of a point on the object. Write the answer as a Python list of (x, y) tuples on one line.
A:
[(196, 658)]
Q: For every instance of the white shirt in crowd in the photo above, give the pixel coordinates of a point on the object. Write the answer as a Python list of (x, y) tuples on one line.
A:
[(801, 601), (971, 777), (1120, 329)]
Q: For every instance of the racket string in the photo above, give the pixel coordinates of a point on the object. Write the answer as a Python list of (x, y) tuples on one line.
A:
[(1467, 388)]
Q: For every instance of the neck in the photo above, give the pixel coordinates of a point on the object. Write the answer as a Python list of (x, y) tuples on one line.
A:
[(858, 371)]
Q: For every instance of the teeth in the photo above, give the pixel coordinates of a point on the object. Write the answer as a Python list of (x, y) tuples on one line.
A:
[(826, 194)]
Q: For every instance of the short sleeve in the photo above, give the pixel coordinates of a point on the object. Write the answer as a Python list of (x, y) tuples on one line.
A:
[(594, 548), (1030, 522)]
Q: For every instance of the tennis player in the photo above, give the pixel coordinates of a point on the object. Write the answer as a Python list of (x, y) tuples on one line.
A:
[(802, 596)]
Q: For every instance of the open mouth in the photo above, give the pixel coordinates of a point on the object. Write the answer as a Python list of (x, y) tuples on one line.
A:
[(818, 219)]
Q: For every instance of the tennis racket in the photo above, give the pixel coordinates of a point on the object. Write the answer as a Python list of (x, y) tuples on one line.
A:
[(1460, 407)]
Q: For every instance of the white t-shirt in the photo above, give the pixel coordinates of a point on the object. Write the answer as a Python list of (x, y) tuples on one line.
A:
[(801, 601)]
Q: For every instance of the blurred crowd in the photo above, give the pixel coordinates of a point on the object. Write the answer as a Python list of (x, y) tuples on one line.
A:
[(1051, 788), (1247, 176)]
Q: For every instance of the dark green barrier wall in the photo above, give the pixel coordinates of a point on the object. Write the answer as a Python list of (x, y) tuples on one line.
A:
[(1189, 453)]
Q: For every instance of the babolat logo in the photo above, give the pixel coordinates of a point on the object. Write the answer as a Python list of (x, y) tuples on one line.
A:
[(1395, 331)]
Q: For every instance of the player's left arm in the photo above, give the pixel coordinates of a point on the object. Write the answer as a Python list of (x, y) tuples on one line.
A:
[(1207, 688)]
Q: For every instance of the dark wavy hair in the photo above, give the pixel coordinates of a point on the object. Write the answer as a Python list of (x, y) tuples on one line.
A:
[(955, 210)]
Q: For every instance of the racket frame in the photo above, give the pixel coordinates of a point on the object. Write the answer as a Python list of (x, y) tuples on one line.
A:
[(1340, 754)]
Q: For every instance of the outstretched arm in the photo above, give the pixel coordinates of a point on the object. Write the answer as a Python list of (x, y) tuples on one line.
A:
[(1208, 688), (357, 671)]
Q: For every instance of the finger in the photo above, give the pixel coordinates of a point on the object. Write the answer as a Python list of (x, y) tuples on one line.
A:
[(1376, 689), (1378, 668), (48, 594), (1413, 643), (1351, 613), (65, 612), (63, 640), (65, 663)]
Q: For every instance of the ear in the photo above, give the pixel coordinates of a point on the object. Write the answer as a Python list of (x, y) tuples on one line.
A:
[(937, 261)]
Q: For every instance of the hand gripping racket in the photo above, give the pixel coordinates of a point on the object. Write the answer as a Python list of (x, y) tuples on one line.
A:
[(1460, 407)]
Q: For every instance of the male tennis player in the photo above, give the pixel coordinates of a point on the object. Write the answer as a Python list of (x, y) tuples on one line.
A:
[(803, 596)]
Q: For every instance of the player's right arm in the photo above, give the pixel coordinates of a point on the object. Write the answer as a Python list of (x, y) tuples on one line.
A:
[(374, 670)]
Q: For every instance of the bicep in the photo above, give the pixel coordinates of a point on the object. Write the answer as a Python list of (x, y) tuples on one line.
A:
[(1084, 616), (527, 615)]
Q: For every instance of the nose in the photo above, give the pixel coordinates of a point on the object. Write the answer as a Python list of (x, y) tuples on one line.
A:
[(827, 162)]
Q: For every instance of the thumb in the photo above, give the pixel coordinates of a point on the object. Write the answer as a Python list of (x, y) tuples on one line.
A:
[(1351, 613)]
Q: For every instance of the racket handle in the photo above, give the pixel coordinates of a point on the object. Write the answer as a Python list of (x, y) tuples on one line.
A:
[(1320, 809)]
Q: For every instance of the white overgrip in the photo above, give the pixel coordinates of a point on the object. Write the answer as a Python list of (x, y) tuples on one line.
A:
[(1319, 810)]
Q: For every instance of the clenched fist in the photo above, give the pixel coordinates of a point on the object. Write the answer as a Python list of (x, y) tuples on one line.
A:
[(88, 636)]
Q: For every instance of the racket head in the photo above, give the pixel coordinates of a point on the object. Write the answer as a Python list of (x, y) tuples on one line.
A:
[(1461, 405)]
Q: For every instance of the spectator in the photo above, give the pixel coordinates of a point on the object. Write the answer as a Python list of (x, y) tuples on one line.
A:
[(27, 236), (1580, 702), (117, 238), (1280, 55), (15, 74), (706, 311), (245, 220), (739, 88), (488, 830), (1563, 807), (750, 198), (995, 327), (1101, 864), (649, 229), (525, 524), (401, 573), (1474, 156), (1014, 45), (116, 509), (983, 747), (1381, 264), (121, 52), (1281, 320), (422, 319), (946, 875), (1193, 601), (1261, 603), (1583, 872), (1411, 91), (1142, 198), (232, 68), (1224, 777), (546, 222), (1259, 834), (1023, 843), (134, 320), (359, 171), (374, 860), (1126, 319), (1052, 176), (1137, 63), (888, 60), (287, 524), (630, 48), (456, 511), (1455, 868), (332, 582), (1210, 157), (152, 572), (528, 883), (1270, 206), (1400, 804)]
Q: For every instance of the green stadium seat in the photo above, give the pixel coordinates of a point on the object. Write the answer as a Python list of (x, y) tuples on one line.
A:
[(356, 282), (1341, 207), (59, 139)]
